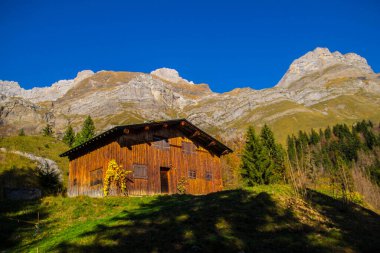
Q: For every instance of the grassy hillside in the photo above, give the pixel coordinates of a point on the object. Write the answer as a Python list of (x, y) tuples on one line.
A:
[(259, 219), (47, 147), (286, 117), (13, 161)]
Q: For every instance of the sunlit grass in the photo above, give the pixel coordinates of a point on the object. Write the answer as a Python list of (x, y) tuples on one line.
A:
[(46, 147)]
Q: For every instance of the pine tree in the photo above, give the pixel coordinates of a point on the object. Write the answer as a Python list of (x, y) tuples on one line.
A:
[(314, 137), (69, 137), (21, 132), (268, 139), (257, 167), (275, 151), (291, 149), (328, 133), (48, 130), (77, 140), (87, 132)]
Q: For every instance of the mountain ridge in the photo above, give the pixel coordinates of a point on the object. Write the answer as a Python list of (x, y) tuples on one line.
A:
[(111, 98)]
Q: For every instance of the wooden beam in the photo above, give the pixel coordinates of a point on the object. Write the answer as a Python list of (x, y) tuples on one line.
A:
[(211, 144), (225, 152), (196, 133), (126, 131)]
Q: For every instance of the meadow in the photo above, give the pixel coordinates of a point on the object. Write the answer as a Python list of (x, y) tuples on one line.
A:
[(256, 219)]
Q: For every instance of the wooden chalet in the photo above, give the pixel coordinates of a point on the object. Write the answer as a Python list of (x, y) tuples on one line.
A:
[(159, 154)]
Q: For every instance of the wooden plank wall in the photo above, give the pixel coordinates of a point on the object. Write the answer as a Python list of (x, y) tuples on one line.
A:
[(145, 153)]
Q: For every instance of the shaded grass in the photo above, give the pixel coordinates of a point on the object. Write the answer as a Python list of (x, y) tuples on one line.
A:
[(258, 219)]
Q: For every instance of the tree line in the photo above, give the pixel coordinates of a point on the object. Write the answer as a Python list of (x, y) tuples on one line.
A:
[(71, 138), (346, 158), (339, 154), (85, 134)]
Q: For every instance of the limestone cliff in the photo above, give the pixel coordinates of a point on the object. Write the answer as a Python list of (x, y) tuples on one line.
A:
[(320, 88)]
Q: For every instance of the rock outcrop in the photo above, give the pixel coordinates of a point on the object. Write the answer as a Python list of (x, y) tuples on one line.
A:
[(37, 94), (15, 191), (170, 75), (321, 59), (17, 113), (317, 90), (47, 166)]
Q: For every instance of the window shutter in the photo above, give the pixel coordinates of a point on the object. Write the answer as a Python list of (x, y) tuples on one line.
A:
[(96, 177), (140, 171)]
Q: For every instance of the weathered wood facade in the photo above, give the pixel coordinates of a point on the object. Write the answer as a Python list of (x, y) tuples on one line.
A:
[(159, 154)]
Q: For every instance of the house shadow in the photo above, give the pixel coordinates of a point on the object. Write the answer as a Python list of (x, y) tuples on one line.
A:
[(18, 217), (359, 227), (228, 221)]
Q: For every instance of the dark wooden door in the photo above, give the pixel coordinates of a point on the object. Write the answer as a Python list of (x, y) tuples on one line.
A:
[(164, 179)]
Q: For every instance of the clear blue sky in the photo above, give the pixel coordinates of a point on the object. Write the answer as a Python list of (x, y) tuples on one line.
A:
[(226, 44)]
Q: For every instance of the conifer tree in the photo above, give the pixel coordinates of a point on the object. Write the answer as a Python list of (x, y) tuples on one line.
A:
[(257, 167), (328, 133), (275, 151), (21, 132), (268, 139), (77, 140), (291, 149), (87, 132), (314, 137), (69, 137), (48, 130)]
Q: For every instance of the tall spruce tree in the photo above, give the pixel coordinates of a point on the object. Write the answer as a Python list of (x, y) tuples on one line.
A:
[(292, 152), (328, 133), (87, 132), (275, 151), (314, 137), (256, 167), (69, 137)]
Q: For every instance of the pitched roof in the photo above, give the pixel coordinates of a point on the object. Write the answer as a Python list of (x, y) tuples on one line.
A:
[(187, 128)]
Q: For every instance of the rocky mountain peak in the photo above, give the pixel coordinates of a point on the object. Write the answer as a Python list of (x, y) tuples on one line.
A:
[(38, 94), (83, 75), (10, 88), (320, 59), (170, 75)]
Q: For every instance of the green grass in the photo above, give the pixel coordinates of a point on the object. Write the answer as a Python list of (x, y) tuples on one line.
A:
[(13, 161), (258, 219), (47, 147)]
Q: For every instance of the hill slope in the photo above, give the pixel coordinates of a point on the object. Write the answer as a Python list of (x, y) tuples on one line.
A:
[(261, 219), (20, 169)]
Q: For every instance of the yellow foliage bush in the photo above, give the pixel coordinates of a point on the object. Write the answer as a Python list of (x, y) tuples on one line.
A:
[(116, 174)]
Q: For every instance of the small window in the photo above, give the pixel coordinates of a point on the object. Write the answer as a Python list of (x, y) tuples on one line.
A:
[(192, 174), (161, 143), (208, 175), (96, 177), (188, 147), (140, 171)]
